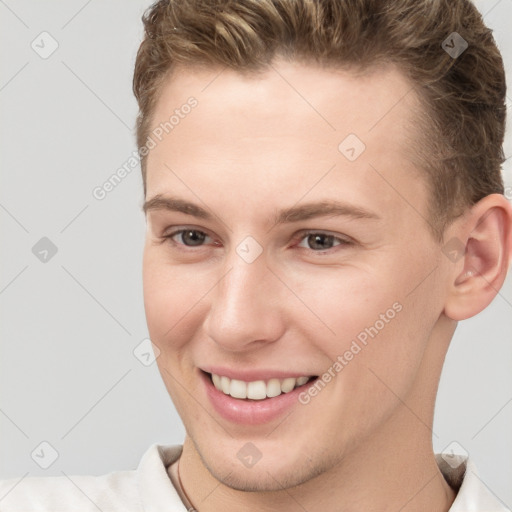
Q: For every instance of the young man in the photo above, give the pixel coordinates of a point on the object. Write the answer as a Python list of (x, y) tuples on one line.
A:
[(324, 203)]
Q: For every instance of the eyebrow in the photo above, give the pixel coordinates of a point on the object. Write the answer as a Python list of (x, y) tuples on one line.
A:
[(303, 212)]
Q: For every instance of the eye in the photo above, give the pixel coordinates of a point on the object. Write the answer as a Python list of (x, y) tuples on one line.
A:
[(188, 237), (315, 241), (318, 241)]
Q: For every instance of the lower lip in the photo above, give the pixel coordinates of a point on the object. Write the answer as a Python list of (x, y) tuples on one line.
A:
[(251, 412)]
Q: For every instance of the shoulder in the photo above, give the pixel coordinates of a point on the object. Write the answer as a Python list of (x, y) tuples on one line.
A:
[(56, 493), (125, 491)]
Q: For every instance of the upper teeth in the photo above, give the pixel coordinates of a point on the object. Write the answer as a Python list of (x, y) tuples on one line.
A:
[(258, 389)]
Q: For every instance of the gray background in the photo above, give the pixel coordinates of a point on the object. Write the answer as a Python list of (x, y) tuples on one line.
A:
[(69, 325)]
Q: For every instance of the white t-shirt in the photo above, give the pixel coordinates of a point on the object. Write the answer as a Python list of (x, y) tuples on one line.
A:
[(149, 489)]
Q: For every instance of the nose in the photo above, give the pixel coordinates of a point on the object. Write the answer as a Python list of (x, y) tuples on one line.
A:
[(246, 308)]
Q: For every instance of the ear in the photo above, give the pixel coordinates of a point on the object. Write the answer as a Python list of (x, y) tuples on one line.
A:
[(480, 250)]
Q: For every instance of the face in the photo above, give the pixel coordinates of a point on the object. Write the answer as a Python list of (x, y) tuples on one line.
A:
[(287, 242)]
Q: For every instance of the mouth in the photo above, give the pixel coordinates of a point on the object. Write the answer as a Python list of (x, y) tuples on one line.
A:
[(267, 397), (257, 389)]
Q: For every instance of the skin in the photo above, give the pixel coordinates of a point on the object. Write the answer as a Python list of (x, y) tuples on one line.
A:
[(252, 146)]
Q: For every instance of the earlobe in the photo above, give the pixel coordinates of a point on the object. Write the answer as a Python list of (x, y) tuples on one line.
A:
[(486, 237)]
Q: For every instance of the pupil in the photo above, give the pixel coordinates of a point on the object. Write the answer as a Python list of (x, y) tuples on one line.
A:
[(195, 237), (314, 239)]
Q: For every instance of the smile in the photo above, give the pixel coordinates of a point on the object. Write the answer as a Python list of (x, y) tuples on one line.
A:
[(258, 389), (250, 396)]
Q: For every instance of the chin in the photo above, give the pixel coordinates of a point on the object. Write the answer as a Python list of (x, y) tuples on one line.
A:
[(262, 479), (281, 471)]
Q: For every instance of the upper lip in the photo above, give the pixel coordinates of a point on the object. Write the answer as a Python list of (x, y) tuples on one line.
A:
[(251, 375)]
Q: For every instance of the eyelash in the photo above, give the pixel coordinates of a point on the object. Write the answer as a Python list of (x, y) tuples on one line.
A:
[(301, 236)]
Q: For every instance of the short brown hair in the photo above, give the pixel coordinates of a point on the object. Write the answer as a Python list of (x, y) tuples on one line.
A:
[(463, 96)]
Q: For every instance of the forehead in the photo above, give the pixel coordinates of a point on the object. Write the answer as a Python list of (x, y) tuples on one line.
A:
[(328, 99), (285, 128)]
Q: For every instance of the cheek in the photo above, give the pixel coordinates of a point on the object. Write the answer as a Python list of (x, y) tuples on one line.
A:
[(371, 360), (371, 328), (170, 294), (172, 302), (345, 304)]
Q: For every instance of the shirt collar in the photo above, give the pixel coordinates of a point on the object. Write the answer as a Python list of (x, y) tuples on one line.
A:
[(155, 487), (472, 493)]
